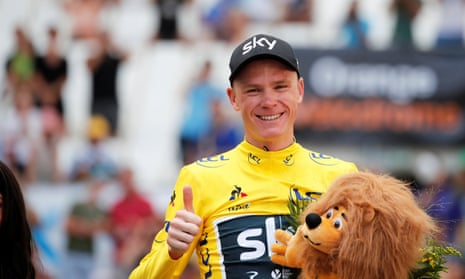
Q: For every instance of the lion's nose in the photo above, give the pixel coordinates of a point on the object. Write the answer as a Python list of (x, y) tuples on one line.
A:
[(312, 220)]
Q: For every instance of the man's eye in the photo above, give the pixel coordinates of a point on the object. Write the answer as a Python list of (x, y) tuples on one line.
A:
[(252, 90), (282, 86)]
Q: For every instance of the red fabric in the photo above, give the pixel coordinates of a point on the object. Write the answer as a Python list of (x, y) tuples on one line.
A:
[(129, 210)]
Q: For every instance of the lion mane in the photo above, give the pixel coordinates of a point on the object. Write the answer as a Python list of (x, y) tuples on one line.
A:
[(384, 233)]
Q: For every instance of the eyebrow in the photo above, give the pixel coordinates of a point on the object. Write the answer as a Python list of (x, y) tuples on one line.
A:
[(343, 215)]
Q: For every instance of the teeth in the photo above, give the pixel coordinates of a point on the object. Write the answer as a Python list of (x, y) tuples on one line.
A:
[(270, 117)]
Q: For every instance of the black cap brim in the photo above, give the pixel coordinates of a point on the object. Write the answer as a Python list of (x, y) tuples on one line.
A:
[(259, 47)]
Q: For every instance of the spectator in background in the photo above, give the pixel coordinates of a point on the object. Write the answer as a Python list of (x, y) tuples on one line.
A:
[(233, 26), (299, 11), (456, 266), (451, 26), (96, 161), (224, 134), (23, 134), (216, 14), (198, 118), (168, 18), (20, 66), (104, 65), (264, 11), (227, 21), (444, 198), (17, 248), (133, 223), (453, 212), (355, 29), (406, 12), (445, 206), (85, 17), (84, 221), (51, 74)]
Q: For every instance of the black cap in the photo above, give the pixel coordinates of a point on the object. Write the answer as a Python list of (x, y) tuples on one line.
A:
[(260, 46)]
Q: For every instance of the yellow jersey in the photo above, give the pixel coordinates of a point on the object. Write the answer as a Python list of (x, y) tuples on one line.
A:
[(242, 197)]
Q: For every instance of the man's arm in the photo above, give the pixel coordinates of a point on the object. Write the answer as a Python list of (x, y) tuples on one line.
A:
[(174, 245), (158, 264)]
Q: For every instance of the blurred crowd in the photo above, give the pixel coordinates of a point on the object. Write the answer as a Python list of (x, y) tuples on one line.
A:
[(442, 193), (36, 121)]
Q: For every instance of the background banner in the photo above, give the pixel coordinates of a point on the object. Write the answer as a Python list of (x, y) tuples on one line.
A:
[(395, 97)]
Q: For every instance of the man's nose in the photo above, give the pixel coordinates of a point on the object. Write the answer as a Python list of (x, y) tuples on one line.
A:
[(269, 97)]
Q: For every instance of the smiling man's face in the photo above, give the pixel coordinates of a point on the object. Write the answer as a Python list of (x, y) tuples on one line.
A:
[(267, 93)]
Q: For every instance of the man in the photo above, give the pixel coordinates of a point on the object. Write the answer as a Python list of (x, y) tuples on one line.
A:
[(133, 224), (227, 207), (85, 220)]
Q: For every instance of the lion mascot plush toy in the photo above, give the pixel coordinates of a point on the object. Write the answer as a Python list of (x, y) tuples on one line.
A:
[(366, 226)]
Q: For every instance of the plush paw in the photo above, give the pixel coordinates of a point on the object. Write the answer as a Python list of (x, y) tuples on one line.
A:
[(279, 254), (279, 249), (283, 236)]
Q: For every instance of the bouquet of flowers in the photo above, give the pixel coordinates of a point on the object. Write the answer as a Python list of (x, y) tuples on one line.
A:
[(432, 263)]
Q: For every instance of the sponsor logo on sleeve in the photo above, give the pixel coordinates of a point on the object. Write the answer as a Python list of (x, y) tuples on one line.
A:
[(322, 159), (213, 161)]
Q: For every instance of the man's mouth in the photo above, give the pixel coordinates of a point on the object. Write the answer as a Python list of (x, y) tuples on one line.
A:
[(270, 117)]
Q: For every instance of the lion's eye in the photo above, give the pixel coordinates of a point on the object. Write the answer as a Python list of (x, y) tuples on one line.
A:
[(337, 223), (329, 214)]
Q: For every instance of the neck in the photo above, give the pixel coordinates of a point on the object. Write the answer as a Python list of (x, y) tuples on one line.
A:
[(272, 145)]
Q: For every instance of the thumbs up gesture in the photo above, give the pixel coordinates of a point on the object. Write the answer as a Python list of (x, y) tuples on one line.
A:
[(184, 227)]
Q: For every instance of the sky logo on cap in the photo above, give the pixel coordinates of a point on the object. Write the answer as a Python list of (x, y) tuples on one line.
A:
[(258, 42)]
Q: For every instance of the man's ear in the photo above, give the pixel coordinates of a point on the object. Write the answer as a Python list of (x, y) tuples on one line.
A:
[(232, 98), (301, 89)]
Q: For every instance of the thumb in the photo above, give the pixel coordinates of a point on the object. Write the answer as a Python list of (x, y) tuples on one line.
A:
[(188, 197)]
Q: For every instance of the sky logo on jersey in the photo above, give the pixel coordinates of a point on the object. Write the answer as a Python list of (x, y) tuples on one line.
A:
[(237, 193), (245, 245)]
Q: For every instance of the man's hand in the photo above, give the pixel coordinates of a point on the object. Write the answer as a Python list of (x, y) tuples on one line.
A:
[(184, 227)]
